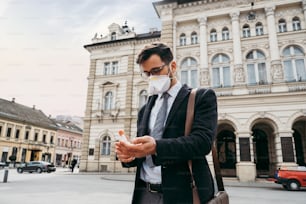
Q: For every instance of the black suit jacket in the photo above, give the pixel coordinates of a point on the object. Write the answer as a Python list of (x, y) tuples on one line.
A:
[(174, 149)]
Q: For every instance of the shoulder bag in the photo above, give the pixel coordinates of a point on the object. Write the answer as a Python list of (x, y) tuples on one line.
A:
[(221, 197)]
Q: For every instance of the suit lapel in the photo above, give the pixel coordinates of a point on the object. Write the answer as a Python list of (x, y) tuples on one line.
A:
[(184, 91), (146, 114)]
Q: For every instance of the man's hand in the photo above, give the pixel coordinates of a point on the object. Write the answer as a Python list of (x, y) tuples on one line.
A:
[(139, 147)]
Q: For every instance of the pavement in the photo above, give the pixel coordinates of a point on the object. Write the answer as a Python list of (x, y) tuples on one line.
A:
[(228, 181), (129, 177)]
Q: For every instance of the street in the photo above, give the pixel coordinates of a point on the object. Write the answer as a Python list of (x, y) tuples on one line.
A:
[(64, 187)]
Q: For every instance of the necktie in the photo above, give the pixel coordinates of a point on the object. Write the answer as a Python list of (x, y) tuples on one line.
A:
[(158, 128)]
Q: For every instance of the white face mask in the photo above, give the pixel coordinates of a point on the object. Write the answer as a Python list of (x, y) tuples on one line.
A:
[(159, 84)]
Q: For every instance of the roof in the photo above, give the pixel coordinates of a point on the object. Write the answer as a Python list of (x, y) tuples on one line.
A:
[(155, 34), (17, 112), (67, 126)]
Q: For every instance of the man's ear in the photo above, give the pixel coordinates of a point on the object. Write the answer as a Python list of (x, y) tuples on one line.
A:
[(173, 66)]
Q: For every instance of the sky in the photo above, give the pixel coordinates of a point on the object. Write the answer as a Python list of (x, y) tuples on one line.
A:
[(42, 58)]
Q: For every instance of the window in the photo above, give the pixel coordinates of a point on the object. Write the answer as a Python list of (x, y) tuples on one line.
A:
[(143, 96), (294, 64), (114, 67), (256, 67), (106, 144), (106, 68), (113, 36), (8, 132), (189, 72), (225, 33), (44, 138), (108, 100), (213, 35), (36, 136), (17, 133), (194, 38), (0, 129), (182, 39), (58, 142), (51, 139), (221, 71), (91, 151), (246, 32), (259, 29), (282, 27), (26, 135), (110, 68), (296, 24)]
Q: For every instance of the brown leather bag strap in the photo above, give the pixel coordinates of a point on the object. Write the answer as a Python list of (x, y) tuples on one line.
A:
[(188, 125), (217, 167)]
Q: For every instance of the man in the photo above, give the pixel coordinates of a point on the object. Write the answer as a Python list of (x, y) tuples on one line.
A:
[(163, 175)]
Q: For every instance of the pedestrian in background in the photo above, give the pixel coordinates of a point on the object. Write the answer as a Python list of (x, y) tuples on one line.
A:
[(161, 150), (73, 163)]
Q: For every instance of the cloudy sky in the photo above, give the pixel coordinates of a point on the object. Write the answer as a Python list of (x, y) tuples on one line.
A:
[(42, 59)]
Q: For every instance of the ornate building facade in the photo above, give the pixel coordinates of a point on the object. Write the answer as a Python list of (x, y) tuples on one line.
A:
[(251, 53)]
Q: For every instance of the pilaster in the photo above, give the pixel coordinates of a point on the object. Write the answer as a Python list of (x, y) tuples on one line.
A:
[(304, 10), (87, 119), (236, 37)]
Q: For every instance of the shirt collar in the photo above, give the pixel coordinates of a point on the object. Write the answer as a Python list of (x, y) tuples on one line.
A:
[(173, 91)]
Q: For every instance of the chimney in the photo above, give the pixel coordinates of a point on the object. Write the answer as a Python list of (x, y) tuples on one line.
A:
[(13, 100)]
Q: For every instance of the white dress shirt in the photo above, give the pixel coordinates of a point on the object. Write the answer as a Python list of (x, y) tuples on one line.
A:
[(148, 174)]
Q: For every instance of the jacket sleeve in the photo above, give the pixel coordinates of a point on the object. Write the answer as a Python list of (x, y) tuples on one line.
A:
[(198, 143), (137, 160)]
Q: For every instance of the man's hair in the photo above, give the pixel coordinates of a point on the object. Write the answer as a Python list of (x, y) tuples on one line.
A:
[(158, 48)]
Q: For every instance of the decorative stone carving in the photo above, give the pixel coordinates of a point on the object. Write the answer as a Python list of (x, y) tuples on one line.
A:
[(235, 16), (202, 20), (270, 10), (277, 71), (204, 77), (239, 74)]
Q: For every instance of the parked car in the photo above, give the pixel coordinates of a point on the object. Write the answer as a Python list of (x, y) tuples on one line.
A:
[(291, 178), (36, 166)]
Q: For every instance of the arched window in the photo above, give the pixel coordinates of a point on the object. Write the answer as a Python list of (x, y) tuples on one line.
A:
[(246, 32), (256, 67), (182, 39), (189, 72), (221, 71), (106, 145), (194, 38), (143, 96), (294, 63), (282, 26), (113, 36), (296, 23), (259, 28), (108, 100), (225, 33), (213, 35)]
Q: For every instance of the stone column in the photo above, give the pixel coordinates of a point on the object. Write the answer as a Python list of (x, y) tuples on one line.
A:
[(87, 118), (238, 67), (204, 73), (245, 167), (167, 26), (174, 40), (276, 65), (304, 10)]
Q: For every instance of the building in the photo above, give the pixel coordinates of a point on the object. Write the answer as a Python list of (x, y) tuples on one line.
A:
[(251, 53), (69, 142), (26, 133)]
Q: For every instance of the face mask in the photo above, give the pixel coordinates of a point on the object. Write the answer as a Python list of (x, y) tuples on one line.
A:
[(159, 84)]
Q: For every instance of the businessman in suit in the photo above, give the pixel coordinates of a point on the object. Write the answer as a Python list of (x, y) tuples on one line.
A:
[(161, 154)]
